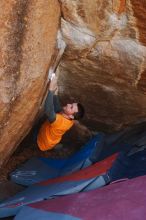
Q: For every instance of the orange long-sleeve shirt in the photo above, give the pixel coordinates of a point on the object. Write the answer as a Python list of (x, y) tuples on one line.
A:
[(50, 134)]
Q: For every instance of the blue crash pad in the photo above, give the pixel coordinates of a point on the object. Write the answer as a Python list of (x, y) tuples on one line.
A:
[(98, 148), (38, 169)]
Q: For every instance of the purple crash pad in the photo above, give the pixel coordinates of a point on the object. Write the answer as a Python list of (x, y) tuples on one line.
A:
[(122, 201)]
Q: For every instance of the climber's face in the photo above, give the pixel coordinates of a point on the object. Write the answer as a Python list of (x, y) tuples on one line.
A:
[(70, 109)]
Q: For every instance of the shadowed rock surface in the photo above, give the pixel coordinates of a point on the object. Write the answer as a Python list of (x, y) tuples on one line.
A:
[(104, 64)]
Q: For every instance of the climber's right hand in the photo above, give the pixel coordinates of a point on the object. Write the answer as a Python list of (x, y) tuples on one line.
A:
[(53, 84)]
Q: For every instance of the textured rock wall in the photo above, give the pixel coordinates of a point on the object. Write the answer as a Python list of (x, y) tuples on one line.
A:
[(104, 65), (105, 62), (27, 41)]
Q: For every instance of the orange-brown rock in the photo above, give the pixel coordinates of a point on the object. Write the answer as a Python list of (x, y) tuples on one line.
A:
[(104, 65), (27, 41)]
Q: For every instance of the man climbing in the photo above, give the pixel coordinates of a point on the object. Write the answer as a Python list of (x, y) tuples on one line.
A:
[(59, 120)]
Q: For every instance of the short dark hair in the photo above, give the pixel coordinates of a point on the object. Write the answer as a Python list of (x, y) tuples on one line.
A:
[(78, 115)]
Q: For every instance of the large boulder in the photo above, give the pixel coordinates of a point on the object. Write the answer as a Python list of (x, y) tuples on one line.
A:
[(105, 62), (27, 41), (104, 65)]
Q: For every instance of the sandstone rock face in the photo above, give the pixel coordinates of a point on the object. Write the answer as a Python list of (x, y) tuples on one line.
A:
[(104, 66), (27, 41)]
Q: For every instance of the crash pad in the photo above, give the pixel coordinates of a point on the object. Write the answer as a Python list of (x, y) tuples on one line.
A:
[(39, 169), (128, 166), (83, 180), (123, 200)]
